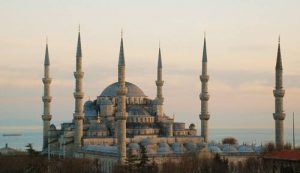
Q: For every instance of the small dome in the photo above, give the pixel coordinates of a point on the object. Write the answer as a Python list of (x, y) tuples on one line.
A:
[(133, 90), (88, 103), (227, 148), (258, 149), (191, 146), (214, 149), (52, 127), (178, 147), (134, 146), (245, 149), (90, 108), (164, 148)]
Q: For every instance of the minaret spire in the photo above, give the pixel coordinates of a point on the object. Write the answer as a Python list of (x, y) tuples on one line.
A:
[(279, 92), (204, 96), (78, 95), (121, 53), (278, 61), (46, 99), (159, 84), (204, 55), (121, 115), (159, 81)]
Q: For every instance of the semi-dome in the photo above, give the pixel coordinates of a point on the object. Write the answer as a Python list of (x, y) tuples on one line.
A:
[(133, 90)]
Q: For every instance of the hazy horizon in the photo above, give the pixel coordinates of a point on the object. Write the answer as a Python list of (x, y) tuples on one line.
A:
[(242, 37)]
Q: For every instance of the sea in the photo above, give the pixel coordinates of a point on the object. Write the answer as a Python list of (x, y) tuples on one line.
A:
[(33, 135)]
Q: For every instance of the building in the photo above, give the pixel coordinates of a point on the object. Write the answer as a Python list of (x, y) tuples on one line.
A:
[(8, 151), (121, 120), (284, 161)]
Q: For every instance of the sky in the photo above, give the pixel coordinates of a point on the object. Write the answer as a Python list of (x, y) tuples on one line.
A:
[(242, 38)]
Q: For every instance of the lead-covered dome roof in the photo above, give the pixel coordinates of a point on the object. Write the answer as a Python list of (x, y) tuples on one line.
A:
[(133, 90)]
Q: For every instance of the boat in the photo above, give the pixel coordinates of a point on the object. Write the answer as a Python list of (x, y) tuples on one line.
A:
[(12, 134)]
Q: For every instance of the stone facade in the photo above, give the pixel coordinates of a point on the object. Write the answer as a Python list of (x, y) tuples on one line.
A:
[(120, 120)]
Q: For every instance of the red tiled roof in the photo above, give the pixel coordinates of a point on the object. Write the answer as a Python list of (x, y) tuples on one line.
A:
[(283, 155)]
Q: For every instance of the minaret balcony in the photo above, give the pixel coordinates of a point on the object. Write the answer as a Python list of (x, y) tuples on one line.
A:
[(204, 116), (278, 92), (78, 74), (204, 96), (47, 80), (122, 91), (78, 95), (161, 100), (279, 116), (204, 78), (78, 116), (121, 115), (47, 98), (46, 117), (159, 83)]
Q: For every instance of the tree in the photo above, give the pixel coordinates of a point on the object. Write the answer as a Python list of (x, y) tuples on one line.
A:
[(229, 140), (144, 158), (31, 151), (132, 162), (269, 147)]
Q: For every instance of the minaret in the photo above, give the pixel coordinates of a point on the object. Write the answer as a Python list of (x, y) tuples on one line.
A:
[(46, 99), (204, 97), (78, 95), (279, 114), (121, 115), (159, 81)]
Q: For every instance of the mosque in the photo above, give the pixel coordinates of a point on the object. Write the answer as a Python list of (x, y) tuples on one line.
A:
[(122, 119)]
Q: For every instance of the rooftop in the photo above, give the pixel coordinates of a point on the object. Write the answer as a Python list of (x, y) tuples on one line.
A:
[(284, 155)]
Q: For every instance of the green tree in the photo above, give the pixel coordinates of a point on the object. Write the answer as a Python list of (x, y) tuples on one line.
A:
[(30, 150), (132, 162), (144, 158)]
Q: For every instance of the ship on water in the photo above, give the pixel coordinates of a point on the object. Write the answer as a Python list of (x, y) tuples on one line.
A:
[(12, 134)]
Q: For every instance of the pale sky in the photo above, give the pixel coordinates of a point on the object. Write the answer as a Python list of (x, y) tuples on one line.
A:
[(241, 43)]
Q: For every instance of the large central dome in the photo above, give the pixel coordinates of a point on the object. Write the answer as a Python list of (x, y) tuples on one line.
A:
[(133, 90)]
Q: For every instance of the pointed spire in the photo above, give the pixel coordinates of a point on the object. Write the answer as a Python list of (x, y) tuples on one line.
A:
[(279, 60), (121, 54), (159, 65), (204, 55), (78, 53), (47, 61)]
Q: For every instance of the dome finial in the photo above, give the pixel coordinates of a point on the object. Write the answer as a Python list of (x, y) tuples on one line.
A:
[(79, 28), (121, 32), (46, 61), (204, 55)]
